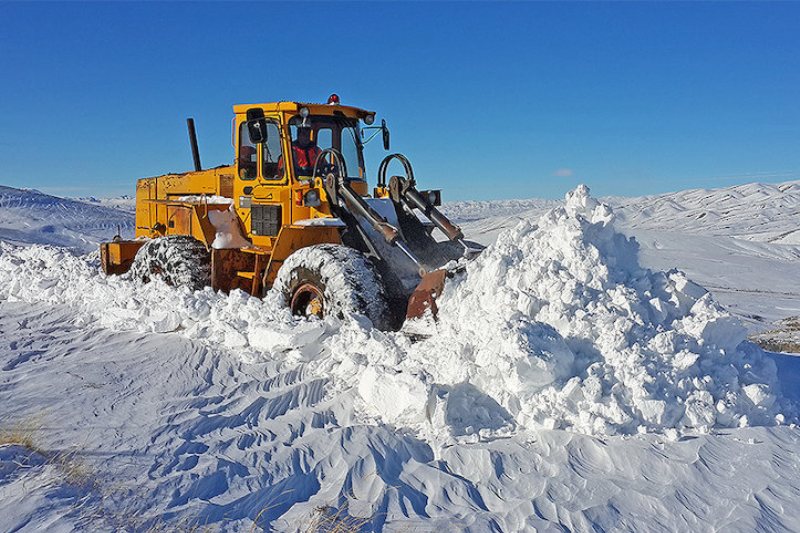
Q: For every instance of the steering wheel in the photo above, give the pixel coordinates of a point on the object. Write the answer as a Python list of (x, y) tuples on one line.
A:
[(323, 166)]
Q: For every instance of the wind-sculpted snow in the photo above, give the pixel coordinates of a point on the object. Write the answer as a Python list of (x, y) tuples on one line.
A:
[(554, 326), (165, 434)]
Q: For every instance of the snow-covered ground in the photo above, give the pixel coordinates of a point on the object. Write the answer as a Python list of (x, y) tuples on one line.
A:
[(565, 388)]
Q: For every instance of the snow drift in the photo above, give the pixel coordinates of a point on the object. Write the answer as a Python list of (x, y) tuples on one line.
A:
[(556, 326)]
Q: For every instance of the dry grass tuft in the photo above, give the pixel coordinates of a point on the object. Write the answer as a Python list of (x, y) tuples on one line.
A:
[(98, 508), (75, 471), (22, 434), (25, 433), (327, 519), (182, 526), (324, 519)]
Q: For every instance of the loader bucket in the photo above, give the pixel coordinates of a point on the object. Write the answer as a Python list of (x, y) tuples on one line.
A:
[(424, 296)]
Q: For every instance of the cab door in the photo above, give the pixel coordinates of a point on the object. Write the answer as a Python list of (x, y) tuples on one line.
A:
[(263, 195)]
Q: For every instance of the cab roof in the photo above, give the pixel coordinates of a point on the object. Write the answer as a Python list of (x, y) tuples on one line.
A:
[(313, 108)]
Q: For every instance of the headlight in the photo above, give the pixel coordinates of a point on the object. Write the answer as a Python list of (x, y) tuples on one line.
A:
[(311, 198), (369, 119), (433, 196)]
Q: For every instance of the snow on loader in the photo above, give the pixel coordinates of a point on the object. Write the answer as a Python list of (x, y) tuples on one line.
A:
[(307, 228)]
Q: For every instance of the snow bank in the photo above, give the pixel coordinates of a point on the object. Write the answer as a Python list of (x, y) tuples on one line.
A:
[(45, 274), (556, 326)]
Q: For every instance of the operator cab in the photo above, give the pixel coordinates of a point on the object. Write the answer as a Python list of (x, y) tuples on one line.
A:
[(267, 134), (284, 151), (314, 133)]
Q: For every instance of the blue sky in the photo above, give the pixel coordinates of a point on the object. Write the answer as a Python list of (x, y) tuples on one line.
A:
[(489, 100)]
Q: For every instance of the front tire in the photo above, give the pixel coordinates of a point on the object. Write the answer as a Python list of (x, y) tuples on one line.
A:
[(179, 260), (332, 280)]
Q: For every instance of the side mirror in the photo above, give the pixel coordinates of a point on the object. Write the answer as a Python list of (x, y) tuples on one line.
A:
[(385, 131), (256, 125)]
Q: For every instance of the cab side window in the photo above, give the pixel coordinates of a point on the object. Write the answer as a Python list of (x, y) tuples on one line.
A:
[(248, 162), (271, 151)]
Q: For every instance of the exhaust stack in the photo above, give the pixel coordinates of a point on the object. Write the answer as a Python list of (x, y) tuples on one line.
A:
[(193, 142)]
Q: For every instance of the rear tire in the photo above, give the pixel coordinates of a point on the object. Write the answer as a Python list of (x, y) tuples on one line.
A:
[(179, 260), (332, 280)]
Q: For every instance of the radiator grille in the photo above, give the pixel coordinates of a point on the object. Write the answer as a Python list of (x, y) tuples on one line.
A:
[(265, 219)]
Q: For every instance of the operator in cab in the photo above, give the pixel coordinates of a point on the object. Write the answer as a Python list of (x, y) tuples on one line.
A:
[(304, 152), (247, 162)]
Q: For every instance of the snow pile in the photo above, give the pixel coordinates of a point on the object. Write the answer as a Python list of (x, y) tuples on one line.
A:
[(556, 326), (56, 276), (560, 326), (226, 224), (210, 199)]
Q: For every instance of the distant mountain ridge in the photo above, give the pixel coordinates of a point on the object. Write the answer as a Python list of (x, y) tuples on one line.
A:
[(763, 212), (124, 202), (28, 216)]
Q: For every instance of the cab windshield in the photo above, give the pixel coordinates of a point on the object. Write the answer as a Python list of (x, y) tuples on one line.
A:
[(320, 132)]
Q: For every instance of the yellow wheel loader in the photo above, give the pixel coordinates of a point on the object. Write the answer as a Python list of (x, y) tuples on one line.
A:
[(294, 214)]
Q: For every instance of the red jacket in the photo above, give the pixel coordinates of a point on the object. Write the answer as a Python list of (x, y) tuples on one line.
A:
[(304, 159)]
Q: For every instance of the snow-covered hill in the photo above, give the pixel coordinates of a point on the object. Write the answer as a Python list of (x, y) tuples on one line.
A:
[(757, 211), (740, 242), (564, 388), (31, 217), (123, 203)]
